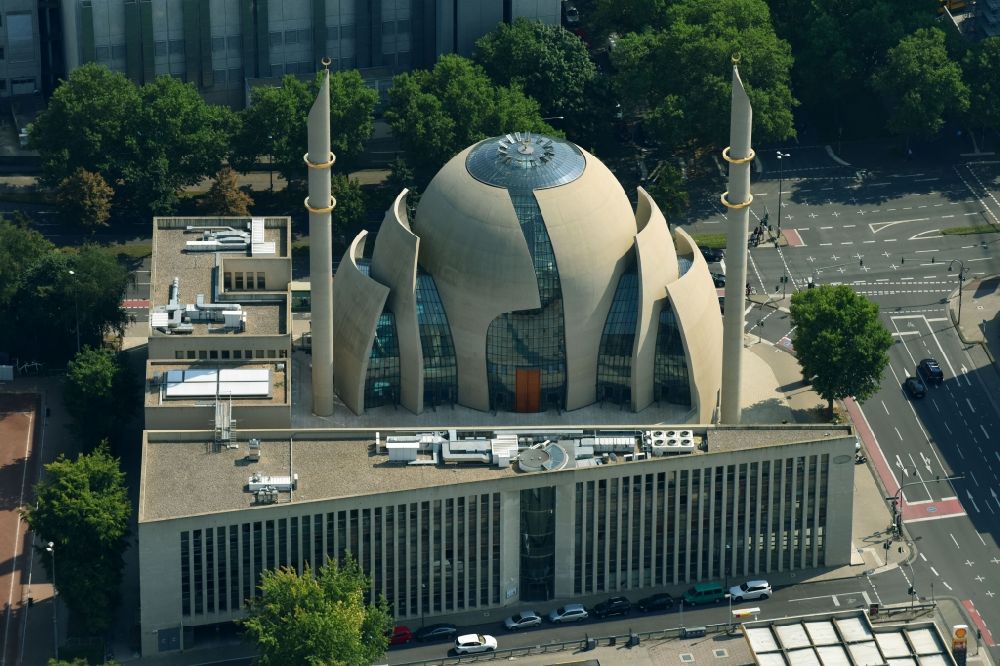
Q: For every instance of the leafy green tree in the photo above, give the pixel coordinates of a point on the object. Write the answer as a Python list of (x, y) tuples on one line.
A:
[(439, 112), (86, 125), (226, 197), (20, 248), (837, 52), (922, 84), (99, 392), (79, 661), (275, 123), (622, 16), (318, 618), (350, 214), (669, 191), (840, 342), (84, 199), (145, 142), (50, 302), (681, 74), (982, 74), (548, 62), (82, 507)]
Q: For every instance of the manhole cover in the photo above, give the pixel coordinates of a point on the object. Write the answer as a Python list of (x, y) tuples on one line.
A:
[(931, 509)]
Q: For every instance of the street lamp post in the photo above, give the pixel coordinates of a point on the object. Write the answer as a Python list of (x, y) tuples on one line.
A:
[(76, 311), (51, 548), (270, 162), (961, 281), (897, 499), (780, 156)]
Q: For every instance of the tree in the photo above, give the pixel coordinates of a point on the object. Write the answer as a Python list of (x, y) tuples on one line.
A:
[(350, 215), (225, 197), (82, 507), (145, 142), (318, 618), (840, 342), (680, 75), (20, 248), (99, 394), (275, 123), (50, 302), (439, 112), (982, 73), (668, 191), (86, 125), (922, 84), (548, 62), (84, 199), (835, 37)]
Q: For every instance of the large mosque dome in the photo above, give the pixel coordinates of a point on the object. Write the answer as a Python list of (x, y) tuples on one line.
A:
[(526, 283)]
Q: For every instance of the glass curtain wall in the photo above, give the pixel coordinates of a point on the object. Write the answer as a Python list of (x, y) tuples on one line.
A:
[(614, 359)]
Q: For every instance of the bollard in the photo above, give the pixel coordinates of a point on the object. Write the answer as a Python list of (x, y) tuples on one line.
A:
[(633, 639)]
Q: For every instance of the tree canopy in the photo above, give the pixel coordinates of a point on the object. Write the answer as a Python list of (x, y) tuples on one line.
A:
[(82, 507), (145, 142), (318, 618), (275, 123), (20, 248), (680, 74), (225, 197), (840, 342), (99, 393), (547, 62), (84, 199), (922, 84), (47, 301), (439, 112), (982, 73)]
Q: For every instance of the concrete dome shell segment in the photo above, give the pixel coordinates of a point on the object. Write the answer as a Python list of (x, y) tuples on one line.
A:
[(473, 243)]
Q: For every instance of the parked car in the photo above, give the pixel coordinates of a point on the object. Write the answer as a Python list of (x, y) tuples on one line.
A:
[(915, 387), (568, 613), (400, 635), (719, 279), (613, 606), (704, 593), (930, 371), (473, 643), (657, 602), (436, 632), (711, 254), (522, 620), (750, 591)]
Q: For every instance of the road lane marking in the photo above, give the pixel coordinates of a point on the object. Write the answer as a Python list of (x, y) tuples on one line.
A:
[(934, 571), (967, 401), (983, 428), (955, 540), (973, 475)]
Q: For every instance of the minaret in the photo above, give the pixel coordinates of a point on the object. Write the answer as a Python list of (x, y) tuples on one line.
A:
[(739, 154), (320, 204)]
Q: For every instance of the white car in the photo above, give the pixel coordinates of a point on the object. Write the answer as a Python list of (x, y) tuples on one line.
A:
[(750, 590), (568, 613), (522, 620), (472, 643)]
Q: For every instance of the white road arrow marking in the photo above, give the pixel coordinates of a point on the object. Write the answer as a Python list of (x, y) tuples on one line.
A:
[(974, 505)]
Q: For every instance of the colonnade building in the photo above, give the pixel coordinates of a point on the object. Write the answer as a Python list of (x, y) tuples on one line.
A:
[(445, 522)]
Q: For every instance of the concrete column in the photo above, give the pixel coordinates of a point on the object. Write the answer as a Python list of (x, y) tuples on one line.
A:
[(320, 204), (739, 154), (71, 50)]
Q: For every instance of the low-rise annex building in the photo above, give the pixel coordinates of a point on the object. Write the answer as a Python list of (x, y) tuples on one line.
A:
[(447, 521)]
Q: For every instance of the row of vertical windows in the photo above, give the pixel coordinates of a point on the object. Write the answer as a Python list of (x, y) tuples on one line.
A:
[(228, 354), (423, 557), (685, 525), (614, 358), (240, 280)]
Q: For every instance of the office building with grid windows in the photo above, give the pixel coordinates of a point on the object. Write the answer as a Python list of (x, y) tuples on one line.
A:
[(223, 45), (525, 282), (484, 521)]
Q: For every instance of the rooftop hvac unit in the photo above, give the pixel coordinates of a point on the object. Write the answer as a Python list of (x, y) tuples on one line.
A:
[(254, 450)]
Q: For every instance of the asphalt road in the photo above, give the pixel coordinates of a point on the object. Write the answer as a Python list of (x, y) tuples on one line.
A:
[(882, 235)]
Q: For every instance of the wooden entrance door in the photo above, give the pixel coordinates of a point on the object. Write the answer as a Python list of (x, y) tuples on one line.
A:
[(529, 390)]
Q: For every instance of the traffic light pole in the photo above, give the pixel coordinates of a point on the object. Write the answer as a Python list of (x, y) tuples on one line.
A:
[(897, 512)]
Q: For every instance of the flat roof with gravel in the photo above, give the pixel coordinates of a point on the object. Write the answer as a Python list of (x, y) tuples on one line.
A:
[(184, 478)]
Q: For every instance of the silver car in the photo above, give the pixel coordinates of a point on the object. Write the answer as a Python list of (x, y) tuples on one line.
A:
[(568, 613), (522, 620)]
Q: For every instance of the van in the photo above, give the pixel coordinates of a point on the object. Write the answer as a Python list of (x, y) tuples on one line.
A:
[(704, 593)]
